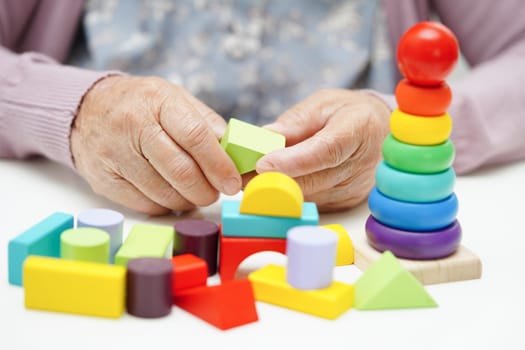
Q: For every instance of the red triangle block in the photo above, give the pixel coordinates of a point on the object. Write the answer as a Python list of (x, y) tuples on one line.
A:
[(225, 306)]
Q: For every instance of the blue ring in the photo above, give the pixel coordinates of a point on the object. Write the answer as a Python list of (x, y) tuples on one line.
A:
[(409, 216), (417, 188)]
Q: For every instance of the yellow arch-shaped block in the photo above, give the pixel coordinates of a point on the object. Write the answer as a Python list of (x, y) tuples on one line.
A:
[(345, 248), (272, 194)]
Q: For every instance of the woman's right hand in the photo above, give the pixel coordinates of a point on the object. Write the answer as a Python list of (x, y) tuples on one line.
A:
[(151, 146)]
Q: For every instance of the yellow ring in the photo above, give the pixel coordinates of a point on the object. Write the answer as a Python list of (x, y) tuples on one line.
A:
[(418, 130)]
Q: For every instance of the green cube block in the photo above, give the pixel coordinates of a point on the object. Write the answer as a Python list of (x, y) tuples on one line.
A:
[(146, 241), (245, 143)]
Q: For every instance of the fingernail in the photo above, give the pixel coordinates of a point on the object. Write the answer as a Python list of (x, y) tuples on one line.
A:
[(231, 186)]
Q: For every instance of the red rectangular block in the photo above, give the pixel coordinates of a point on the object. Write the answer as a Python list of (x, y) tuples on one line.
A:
[(189, 271)]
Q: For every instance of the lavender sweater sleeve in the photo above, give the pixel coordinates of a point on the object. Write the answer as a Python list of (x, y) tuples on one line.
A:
[(38, 101), (38, 96)]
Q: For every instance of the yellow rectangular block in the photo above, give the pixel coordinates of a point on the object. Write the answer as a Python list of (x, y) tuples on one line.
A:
[(270, 286), (77, 287)]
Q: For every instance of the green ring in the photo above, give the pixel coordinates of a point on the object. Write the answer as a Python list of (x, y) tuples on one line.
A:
[(418, 159)]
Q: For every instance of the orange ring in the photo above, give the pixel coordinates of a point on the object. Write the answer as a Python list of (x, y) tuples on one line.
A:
[(423, 100)]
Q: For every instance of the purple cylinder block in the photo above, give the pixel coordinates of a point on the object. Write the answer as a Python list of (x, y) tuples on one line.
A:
[(200, 238), (311, 253), (412, 244), (148, 292)]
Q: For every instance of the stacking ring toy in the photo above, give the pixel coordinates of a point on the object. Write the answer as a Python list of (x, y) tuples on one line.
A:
[(413, 216), (418, 188), (419, 130), (418, 159), (423, 100), (413, 245)]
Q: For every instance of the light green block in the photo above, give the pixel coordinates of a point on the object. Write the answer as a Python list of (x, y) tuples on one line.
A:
[(245, 143), (85, 244), (152, 241), (387, 285)]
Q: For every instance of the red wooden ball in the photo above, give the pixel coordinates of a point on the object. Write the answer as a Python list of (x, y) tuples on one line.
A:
[(427, 53)]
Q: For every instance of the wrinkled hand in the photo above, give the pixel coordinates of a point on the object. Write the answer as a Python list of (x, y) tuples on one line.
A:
[(151, 146), (334, 140)]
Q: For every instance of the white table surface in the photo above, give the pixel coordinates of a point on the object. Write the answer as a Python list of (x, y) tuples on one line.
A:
[(488, 313)]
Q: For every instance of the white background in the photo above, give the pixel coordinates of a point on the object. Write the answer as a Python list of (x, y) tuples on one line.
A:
[(479, 314)]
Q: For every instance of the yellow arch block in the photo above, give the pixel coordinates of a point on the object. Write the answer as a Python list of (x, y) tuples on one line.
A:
[(416, 130), (270, 286), (272, 194), (345, 248)]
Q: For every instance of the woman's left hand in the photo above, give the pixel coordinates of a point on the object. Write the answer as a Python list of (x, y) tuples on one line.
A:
[(334, 139)]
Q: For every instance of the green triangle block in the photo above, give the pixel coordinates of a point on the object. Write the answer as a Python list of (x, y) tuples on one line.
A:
[(387, 285)]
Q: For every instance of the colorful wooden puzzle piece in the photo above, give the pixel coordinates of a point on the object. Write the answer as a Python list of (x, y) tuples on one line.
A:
[(227, 305), (42, 239), (272, 194), (189, 271), (246, 143), (233, 250), (85, 244), (77, 287), (107, 220), (236, 224), (387, 285), (270, 286), (198, 237), (345, 248), (311, 253), (148, 287), (155, 241)]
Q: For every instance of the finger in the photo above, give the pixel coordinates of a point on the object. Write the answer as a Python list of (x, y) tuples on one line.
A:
[(307, 117), (247, 177), (187, 128), (346, 195), (328, 148), (325, 179), (299, 122), (215, 121), (173, 175), (122, 192)]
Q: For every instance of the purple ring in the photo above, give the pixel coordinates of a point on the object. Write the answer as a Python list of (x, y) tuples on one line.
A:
[(412, 244)]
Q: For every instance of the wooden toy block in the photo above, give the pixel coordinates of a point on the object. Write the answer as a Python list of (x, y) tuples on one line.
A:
[(310, 252), (86, 244), (233, 250), (189, 271), (387, 285), (246, 143), (419, 130), (345, 248), (272, 194), (227, 305), (77, 287), (270, 286), (153, 241), (107, 220), (198, 237), (148, 287), (460, 266), (41, 239), (235, 224)]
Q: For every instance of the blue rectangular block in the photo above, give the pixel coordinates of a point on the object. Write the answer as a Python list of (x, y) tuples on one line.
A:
[(235, 224), (41, 239)]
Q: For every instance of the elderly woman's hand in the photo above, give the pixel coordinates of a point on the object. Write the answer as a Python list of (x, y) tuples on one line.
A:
[(151, 146), (334, 140)]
